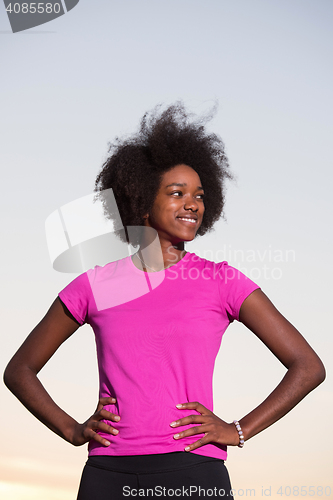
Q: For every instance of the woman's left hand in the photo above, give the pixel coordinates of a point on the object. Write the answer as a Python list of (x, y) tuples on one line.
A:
[(214, 429)]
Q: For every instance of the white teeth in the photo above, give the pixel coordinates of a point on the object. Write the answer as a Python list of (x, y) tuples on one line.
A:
[(185, 218)]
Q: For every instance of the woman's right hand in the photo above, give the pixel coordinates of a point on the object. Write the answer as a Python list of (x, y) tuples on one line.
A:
[(21, 378), (89, 429)]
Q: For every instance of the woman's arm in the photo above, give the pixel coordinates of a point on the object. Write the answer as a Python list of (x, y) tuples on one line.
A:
[(305, 372), (305, 369), (21, 379)]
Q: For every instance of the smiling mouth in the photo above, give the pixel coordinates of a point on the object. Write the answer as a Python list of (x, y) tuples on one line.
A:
[(188, 221)]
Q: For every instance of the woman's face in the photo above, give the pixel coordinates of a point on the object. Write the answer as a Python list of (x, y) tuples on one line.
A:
[(179, 207)]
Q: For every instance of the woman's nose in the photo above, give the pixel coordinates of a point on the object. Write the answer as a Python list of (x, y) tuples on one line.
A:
[(191, 203)]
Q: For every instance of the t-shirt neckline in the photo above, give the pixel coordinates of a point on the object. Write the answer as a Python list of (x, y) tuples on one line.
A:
[(133, 266)]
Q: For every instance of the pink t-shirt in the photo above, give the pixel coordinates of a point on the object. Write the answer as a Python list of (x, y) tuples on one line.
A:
[(157, 336)]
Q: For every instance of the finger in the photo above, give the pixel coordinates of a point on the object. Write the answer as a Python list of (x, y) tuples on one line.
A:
[(107, 415), (201, 442), (194, 405), (103, 427), (191, 419), (105, 401), (200, 429), (96, 437)]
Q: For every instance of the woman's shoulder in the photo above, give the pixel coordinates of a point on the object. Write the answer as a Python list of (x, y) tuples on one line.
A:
[(108, 270), (197, 260), (220, 270)]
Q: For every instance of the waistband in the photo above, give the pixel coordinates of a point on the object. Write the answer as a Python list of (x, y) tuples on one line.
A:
[(148, 464)]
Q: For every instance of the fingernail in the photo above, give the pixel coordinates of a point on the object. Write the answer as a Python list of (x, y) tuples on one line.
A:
[(173, 424), (176, 436), (117, 418), (179, 406), (187, 448), (107, 443), (115, 431)]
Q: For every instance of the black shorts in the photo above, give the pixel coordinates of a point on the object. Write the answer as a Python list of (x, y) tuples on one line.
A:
[(179, 474)]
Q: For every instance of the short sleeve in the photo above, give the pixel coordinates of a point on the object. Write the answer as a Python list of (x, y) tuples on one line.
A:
[(234, 288), (76, 297)]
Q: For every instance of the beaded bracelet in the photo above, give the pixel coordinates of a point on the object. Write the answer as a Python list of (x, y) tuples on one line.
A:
[(240, 432)]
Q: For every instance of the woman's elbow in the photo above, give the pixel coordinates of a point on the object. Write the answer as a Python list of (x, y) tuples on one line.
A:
[(320, 373), (309, 370), (12, 376), (9, 376), (315, 372)]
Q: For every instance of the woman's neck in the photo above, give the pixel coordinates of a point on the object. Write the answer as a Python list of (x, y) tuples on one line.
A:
[(155, 257)]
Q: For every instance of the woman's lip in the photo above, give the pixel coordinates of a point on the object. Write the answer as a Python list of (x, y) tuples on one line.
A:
[(188, 221)]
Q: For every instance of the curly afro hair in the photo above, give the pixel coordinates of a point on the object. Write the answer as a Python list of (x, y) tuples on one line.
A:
[(135, 166)]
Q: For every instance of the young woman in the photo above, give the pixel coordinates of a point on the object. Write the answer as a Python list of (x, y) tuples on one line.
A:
[(158, 317)]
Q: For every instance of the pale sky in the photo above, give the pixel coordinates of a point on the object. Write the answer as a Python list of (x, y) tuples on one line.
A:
[(70, 86)]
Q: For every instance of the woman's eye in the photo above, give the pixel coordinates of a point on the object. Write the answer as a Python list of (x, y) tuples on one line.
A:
[(180, 192)]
